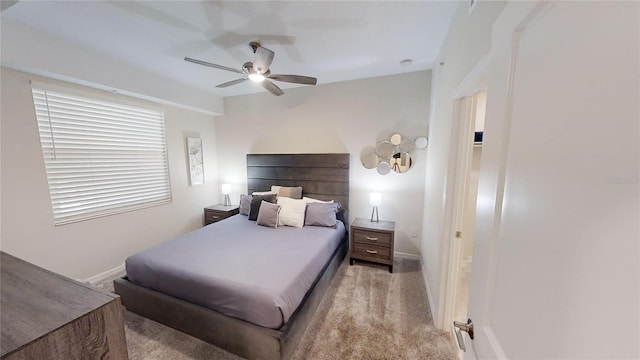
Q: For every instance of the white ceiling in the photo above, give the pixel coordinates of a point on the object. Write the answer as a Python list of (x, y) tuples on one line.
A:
[(331, 40)]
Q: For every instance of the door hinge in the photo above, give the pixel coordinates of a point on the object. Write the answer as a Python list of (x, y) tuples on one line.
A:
[(458, 234)]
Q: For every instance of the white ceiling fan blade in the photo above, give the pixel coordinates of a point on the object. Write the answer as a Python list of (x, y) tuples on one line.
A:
[(229, 83), (271, 87), (200, 62), (296, 79)]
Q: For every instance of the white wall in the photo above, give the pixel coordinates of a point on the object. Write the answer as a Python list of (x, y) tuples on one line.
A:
[(338, 117), (84, 249), (468, 40)]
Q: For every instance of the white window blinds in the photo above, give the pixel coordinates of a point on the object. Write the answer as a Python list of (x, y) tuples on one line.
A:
[(101, 158)]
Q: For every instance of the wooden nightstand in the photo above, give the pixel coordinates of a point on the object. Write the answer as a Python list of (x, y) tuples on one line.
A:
[(372, 241), (219, 212)]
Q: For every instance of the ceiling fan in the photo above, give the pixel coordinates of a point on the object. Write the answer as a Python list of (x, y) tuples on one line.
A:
[(258, 71)]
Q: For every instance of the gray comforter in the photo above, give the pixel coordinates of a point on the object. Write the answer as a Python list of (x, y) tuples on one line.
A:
[(239, 268)]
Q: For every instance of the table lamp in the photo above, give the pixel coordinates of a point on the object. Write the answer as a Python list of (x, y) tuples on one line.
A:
[(375, 199), (226, 190)]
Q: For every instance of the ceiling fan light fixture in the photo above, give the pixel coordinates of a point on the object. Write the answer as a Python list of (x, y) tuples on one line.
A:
[(256, 77)]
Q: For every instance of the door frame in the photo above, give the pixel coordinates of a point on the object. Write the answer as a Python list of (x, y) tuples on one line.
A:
[(460, 150)]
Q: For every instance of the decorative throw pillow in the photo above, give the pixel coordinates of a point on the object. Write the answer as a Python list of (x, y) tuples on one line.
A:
[(268, 214), (292, 212), (264, 193), (245, 204), (321, 214), (294, 192), (256, 200)]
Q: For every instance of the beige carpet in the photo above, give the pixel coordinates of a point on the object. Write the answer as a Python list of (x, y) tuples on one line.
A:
[(366, 313)]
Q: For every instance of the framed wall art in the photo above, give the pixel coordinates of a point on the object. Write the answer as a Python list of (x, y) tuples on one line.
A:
[(196, 169)]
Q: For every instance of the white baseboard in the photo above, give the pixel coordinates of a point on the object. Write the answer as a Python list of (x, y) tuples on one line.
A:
[(104, 275), (426, 284), (407, 256)]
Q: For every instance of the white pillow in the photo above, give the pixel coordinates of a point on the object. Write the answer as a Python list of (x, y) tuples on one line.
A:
[(312, 200), (263, 193), (292, 212)]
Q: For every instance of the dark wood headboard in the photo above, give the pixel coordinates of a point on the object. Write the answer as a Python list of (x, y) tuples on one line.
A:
[(322, 176)]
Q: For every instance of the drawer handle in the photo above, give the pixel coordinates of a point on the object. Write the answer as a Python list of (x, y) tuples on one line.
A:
[(371, 238), (372, 251), (215, 217)]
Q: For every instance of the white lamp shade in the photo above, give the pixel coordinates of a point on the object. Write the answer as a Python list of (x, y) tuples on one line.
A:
[(226, 189), (375, 199)]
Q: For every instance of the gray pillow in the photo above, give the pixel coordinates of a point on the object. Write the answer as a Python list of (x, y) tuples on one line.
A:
[(268, 214), (245, 204), (256, 200), (321, 214), (294, 192)]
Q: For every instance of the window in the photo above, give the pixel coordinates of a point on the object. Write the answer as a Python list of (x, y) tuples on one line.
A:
[(101, 158)]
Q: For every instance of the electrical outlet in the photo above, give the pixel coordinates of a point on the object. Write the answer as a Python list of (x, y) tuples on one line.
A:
[(414, 232)]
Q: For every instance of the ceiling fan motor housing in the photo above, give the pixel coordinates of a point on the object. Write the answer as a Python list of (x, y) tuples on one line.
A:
[(248, 68)]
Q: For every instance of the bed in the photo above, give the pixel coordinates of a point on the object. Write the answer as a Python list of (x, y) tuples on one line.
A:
[(275, 320)]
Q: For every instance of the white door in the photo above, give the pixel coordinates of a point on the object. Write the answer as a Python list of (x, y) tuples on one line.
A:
[(556, 254)]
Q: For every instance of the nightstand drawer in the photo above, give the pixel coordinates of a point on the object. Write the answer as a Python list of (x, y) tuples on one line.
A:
[(213, 216), (219, 212), (371, 252), (371, 237)]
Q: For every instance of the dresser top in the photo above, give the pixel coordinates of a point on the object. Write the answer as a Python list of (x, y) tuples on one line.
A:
[(36, 301), (360, 223), (221, 207)]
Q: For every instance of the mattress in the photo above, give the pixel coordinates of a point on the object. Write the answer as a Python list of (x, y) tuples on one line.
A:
[(243, 270)]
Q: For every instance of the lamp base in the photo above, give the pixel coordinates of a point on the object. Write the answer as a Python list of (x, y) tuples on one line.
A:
[(374, 211), (227, 201)]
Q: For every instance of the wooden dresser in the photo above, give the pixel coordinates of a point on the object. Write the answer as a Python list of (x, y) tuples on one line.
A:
[(219, 212), (47, 316), (372, 241)]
